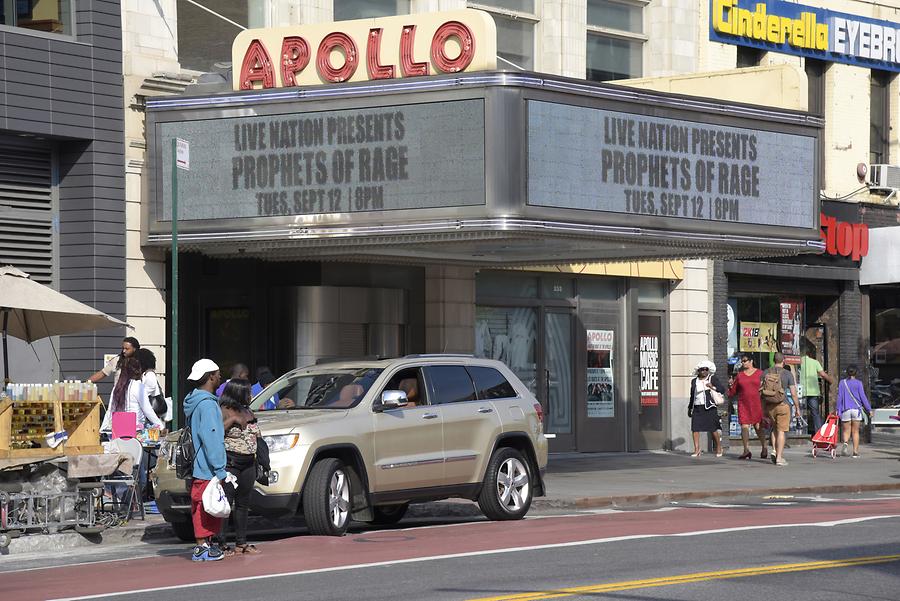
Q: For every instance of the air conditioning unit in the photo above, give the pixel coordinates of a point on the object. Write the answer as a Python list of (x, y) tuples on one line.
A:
[(884, 178)]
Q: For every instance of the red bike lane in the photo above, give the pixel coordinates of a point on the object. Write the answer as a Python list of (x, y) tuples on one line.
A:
[(310, 553)]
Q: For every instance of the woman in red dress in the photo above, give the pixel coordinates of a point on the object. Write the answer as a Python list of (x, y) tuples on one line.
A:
[(746, 386)]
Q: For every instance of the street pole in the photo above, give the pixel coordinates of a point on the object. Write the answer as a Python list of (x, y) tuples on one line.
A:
[(173, 320)]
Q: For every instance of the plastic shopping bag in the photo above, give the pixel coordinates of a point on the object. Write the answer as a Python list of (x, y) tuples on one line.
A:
[(215, 503)]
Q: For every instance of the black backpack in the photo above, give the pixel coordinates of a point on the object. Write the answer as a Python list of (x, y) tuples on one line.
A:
[(184, 454)]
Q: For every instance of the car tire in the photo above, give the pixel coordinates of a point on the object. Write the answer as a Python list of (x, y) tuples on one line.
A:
[(327, 498), (507, 490), (387, 515), (184, 531)]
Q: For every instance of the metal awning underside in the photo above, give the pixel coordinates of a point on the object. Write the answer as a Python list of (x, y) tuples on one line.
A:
[(488, 242)]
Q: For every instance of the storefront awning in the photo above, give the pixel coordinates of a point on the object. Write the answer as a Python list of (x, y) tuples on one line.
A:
[(491, 169)]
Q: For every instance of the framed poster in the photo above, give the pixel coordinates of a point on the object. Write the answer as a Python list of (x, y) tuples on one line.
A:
[(600, 382)]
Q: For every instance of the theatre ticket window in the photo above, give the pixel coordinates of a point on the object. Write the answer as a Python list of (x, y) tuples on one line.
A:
[(50, 16), (615, 39), (205, 36), (345, 10), (515, 20)]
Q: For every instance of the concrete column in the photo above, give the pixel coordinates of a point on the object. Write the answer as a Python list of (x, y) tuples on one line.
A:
[(561, 34), (449, 309)]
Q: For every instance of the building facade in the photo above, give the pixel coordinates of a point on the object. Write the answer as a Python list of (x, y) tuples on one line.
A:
[(653, 45), (62, 213)]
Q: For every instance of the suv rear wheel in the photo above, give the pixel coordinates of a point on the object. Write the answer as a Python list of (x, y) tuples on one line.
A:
[(507, 492), (326, 498)]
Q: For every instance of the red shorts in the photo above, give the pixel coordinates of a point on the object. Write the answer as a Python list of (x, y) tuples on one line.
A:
[(205, 525)]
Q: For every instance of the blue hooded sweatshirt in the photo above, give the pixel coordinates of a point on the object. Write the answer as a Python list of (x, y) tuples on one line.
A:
[(201, 408)]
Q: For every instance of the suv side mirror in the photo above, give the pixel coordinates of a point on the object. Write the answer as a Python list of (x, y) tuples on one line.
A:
[(392, 399)]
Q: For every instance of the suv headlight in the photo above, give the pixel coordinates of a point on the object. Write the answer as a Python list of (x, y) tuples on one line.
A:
[(281, 442)]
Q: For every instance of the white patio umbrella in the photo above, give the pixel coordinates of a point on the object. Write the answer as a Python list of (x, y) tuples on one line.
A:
[(31, 311)]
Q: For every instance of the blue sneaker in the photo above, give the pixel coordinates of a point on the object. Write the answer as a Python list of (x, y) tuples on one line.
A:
[(207, 553)]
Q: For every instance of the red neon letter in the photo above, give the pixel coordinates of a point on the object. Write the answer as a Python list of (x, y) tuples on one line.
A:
[(323, 57), (373, 60), (860, 241), (844, 239), (294, 59), (439, 58), (408, 66), (827, 233), (257, 66)]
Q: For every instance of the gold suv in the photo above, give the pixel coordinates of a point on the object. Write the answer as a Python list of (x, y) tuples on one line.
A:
[(362, 440)]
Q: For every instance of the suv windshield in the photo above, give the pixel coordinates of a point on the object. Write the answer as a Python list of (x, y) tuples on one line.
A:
[(334, 389)]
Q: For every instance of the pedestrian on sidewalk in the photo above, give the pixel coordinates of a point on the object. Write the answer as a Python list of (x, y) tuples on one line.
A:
[(777, 407), (746, 387), (239, 371), (702, 408), (112, 368), (201, 410), (851, 402), (810, 372), (241, 435)]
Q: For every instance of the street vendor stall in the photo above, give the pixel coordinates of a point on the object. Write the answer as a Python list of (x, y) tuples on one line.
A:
[(47, 429)]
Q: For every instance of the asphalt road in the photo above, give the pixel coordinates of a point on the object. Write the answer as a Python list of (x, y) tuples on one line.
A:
[(797, 549)]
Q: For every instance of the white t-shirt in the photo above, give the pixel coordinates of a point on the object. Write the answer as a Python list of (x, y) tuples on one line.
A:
[(151, 384), (700, 392), (136, 401)]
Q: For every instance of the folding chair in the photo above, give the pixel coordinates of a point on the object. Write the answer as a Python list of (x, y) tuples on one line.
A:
[(132, 498)]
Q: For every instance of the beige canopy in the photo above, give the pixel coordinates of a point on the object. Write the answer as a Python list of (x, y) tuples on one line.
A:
[(31, 311)]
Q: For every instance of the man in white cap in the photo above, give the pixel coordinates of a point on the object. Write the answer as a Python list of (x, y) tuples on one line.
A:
[(201, 409)]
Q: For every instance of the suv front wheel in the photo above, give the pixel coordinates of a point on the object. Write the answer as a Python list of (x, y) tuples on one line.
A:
[(506, 493), (326, 498)]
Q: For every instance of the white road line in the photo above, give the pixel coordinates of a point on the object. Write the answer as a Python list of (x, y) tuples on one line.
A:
[(718, 505), (596, 541)]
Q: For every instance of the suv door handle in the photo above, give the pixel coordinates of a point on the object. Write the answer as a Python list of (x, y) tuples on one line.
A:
[(485, 410), (430, 416)]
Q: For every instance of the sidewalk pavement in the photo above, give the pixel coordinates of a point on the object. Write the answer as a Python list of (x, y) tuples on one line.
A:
[(579, 481)]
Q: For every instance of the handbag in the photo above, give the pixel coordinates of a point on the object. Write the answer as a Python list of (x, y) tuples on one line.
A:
[(717, 397), (262, 461), (215, 503), (862, 412)]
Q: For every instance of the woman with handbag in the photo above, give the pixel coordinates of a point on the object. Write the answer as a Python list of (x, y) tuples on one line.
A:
[(851, 403), (746, 387), (241, 436), (706, 397), (151, 383)]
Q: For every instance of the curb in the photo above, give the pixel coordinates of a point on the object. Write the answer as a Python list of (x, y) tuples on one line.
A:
[(668, 497), (159, 531)]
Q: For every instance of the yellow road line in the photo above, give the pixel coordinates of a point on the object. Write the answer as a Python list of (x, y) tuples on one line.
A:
[(695, 577)]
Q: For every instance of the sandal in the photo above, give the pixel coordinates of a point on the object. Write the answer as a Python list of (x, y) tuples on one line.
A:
[(228, 551), (249, 550)]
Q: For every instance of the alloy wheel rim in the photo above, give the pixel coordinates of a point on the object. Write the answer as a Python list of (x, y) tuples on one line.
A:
[(513, 485), (339, 498)]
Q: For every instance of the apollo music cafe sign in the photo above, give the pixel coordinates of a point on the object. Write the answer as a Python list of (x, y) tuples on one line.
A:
[(791, 28), (365, 49)]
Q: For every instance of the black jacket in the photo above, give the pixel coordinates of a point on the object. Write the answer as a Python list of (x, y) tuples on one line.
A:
[(710, 403)]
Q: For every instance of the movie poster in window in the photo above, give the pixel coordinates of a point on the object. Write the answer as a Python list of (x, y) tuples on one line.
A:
[(791, 332), (759, 337), (600, 383)]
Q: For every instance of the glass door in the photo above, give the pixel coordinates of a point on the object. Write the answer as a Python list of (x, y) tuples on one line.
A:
[(558, 380)]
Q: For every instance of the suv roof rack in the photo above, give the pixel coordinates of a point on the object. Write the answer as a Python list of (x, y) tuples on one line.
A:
[(324, 360), (426, 355)]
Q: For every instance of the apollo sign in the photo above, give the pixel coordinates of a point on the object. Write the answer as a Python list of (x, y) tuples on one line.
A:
[(365, 49)]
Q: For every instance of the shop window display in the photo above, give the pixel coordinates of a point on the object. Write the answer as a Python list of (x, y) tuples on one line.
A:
[(509, 334), (885, 350)]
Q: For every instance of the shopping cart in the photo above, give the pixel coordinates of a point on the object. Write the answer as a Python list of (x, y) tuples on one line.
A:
[(826, 438)]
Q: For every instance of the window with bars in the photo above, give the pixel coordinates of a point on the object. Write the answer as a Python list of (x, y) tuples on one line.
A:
[(615, 39), (879, 116), (27, 212), (516, 21), (346, 10)]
